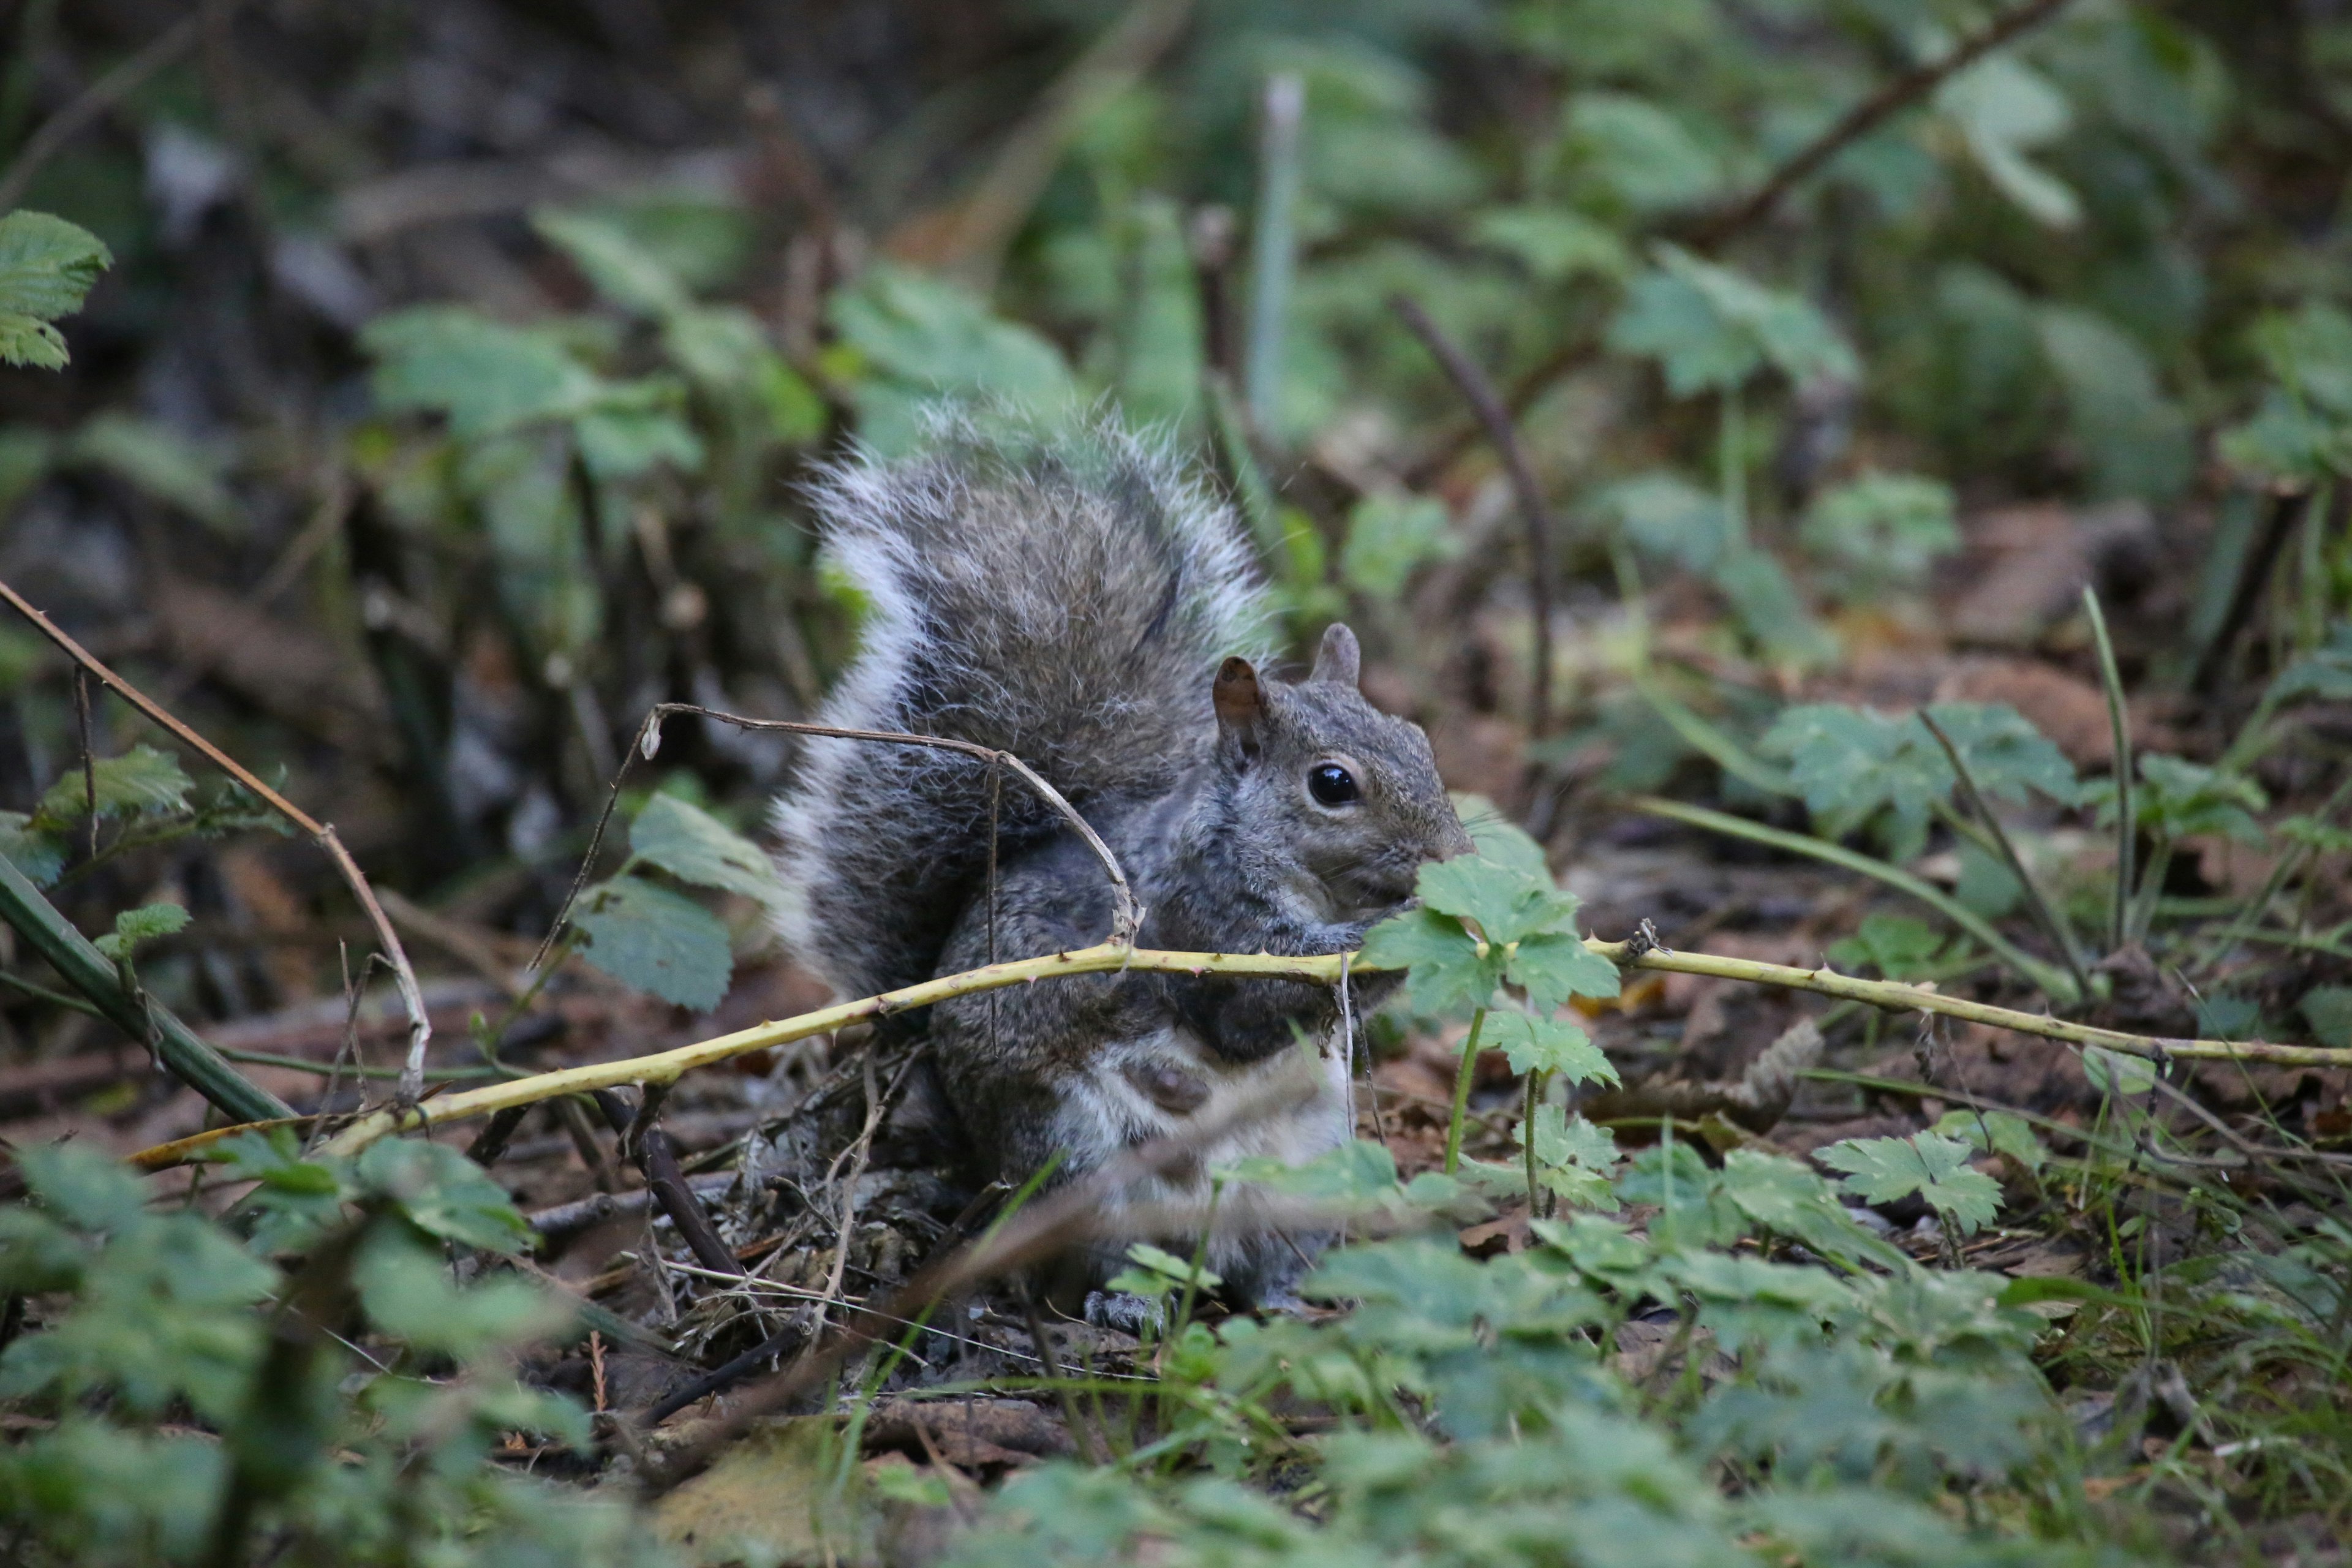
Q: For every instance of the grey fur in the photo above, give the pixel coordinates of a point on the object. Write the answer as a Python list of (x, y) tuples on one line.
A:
[(1068, 597)]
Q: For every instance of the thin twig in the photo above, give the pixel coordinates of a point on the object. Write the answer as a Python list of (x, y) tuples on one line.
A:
[(2119, 730), (1868, 115), (2053, 923), (1127, 915), (1319, 969), (412, 995), (1479, 393), (644, 1142), (97, 97)]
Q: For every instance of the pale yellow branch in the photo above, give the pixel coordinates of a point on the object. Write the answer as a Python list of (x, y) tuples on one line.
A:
[(664, 1066)]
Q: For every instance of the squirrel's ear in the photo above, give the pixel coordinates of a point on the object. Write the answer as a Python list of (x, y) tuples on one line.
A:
[(1240, 704), (1338, 661)]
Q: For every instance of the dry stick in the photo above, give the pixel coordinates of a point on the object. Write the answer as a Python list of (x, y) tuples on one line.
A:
[(412, 995), (665, 1066), (95, 100), (644, 1140), (1127, 916), (1479, 393), (1868, 115), (2052, 924)]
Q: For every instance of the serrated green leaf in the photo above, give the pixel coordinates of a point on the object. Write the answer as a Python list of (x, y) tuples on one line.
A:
[(486, 376), (1554, 242), (47, 268), (1574, 1157), (2177, 798), (1711, 327), (1897, 946), (1554, 966), (1882, 1169), (442, 1193), (144, 923), (1788, 1199), (1852, 764), (1547, 1045), (141, 781), (1445, 973), (657, 941), (40, 856), (1882, 529), (1996, 1132), (695, 847)]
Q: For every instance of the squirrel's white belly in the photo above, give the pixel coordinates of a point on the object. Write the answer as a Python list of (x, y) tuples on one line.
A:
[(1307, 1111)]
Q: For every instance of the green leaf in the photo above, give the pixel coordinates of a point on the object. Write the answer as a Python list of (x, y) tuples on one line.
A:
[(1357, 1173), (1669, 517), (1711, 327), (1881, 530), (2329, 1010), (619, 268), (408, 1293), (1555, 244), (1851, 764), (81, 1186), (40, 856), (1445, 973), (2137, 440), (1996, 1132), (2177, 798), (1162, 1271), (485, 376), (1505, 902), (2005, 110), (1882, 1169), (47, 268), (442, 1194), (1554, 966), (1638, 153), (1574, 1157), (2325, 673), (297, 1200), (657, 941), (1390, 534), (1788, 1199), (1897, 946), (2118, 1072), (695, 847), (142, 782), (144, 923), (1547, 1045), (163, 465), (912, 339)]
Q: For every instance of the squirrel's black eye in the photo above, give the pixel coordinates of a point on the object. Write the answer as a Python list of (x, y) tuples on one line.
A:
[(1332, 785)]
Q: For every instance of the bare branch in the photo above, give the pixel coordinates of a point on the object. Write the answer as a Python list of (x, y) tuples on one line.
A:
[(412, 995), (1479, 393), (1127, 917), (1868, 115)]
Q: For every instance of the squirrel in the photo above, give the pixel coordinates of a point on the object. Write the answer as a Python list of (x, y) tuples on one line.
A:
[(1075, 595)]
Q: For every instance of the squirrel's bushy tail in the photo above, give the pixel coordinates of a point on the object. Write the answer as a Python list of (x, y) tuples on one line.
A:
[(1064, 593)]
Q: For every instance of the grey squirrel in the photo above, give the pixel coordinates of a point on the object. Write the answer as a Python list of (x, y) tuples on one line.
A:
[(1072, 595)]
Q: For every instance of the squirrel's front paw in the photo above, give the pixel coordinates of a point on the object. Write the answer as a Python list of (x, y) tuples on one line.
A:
[(1125, 1311)]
